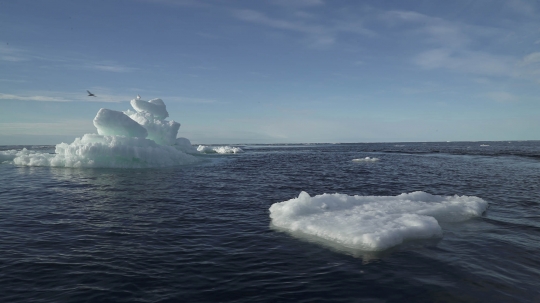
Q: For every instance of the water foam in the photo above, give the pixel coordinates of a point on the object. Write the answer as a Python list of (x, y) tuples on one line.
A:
[(373, 223), (219, 149)]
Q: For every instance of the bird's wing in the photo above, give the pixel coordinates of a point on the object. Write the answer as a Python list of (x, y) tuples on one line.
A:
[(89, 92)]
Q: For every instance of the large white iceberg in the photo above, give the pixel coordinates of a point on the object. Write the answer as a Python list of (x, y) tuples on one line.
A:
[(372, 223), (129, 139), (124, 139)]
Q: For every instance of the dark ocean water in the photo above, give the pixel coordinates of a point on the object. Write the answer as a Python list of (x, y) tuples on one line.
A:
[(202, 233)]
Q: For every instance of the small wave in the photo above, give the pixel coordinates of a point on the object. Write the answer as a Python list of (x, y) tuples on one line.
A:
[(219, 149), (372, 223), (366, 159)]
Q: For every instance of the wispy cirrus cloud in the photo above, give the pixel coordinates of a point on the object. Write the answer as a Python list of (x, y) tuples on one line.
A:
[(109, 67), (67, 127), (188, 100), (459, 47), (298, 3), (317, 33), (522, 7), (81, 96), (473, 62), (32, 98), (501, 96), (13, 54), (20, 55), (102, 95)]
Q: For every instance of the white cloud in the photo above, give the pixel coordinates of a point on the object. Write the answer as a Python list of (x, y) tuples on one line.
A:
[(169, 99), (521, 7), (321, 34), (318, 35), (59, 128), (102, 95), (531, 58), (297, 3), (458, 47), (479, 63), (32, 98), (529, 67), (12, 54), (438, 31), (67, 97), (503, 97), (109, 67)]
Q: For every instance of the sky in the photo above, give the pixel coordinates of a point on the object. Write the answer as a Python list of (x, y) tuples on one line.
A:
[(276, 71)]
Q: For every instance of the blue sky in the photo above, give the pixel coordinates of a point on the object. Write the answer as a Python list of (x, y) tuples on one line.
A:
[(277, 71)]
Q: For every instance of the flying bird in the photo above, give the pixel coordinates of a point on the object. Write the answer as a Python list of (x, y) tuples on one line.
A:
[(90, 94), (138, 97)]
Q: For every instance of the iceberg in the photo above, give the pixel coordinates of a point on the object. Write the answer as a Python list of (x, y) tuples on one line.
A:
[(127, 139)]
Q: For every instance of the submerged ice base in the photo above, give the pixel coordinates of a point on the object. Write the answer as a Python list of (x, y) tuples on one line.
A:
[(373, 223)]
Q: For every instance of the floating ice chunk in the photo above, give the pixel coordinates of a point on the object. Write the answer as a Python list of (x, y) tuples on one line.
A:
[(161, 131), (484, 145), (373, 223), (94, 150), (111, 122), (219, 149), (366, 159), (155, 107), (120, 142), (184, 145), (8, 155)]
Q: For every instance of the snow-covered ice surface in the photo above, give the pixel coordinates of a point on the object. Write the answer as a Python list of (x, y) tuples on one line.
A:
[(373, 223)]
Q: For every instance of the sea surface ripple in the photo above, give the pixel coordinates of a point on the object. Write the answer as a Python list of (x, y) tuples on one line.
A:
[(202, 233)]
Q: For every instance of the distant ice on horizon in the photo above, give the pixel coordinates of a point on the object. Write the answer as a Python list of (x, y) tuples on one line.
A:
[(130, 139), (372, 223)]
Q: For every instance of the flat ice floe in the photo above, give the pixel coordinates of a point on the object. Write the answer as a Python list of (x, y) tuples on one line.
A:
[(373, 223)]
